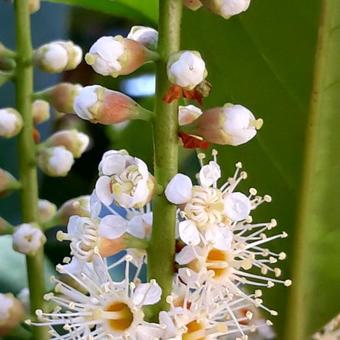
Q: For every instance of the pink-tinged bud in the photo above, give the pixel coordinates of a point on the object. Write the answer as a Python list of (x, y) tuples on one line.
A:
[(100, 105), (74, 141), (61, 96), (40, 111), (76, 206), (55, 161), (194, 5), (230, 124), (33, 6), (7, 183), (12, 312), (46, 210), (115, 56), (147, 36), (10, 122), (58, 56), (226, 8)]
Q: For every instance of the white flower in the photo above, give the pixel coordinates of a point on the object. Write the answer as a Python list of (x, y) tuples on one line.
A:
[(55, 161), (10, 122), (58, 56), (179, 189), (124, 179), (28, 239), (240, 124), (145, 35), (104, 56), (187, 114), (102, 307), (233, 7), (186, 69), (237, 206)]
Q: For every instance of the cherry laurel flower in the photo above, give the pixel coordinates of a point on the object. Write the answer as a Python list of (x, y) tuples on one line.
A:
[(186, 69), (226, 8), (124, 179), (101, 308)]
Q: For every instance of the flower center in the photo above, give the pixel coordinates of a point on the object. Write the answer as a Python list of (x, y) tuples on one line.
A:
[(126, 182), (217, 261), (119, 316), (206, 206), (195, 331)]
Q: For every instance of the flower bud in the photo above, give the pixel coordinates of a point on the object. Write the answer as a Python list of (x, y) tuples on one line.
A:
[(33, 6), (61, 96), (194, 5), (76, 206), (187, 114), (100, 105), (186, 69), (58, 56), (40, 111), (7, 182), (230, 124), (179, 189), (11, 313), (46, 210), (115, 56), (28, 238), (226, 8), (147, 36), (55, 161), (74, 141), (10, 122)]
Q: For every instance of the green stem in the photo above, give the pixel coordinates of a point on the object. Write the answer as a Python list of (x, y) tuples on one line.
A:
[(313, 299), (161, 250), (28, 170)]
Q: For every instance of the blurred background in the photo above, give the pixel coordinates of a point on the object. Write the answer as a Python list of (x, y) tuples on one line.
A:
[(262, 59)]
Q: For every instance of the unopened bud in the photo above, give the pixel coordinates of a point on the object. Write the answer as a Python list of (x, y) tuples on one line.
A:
[(55, 161), (186, 69), (46, 210), (187, 114), (11, 313), (10, 122), (76, 206), (33, 6), (40, 111), (147, 36), (194, 5), (74, 141), (115, 56), (231, 124), (226, 8), (58, 56), (28, 238), (100, 105), (7, 183), (61, 96)]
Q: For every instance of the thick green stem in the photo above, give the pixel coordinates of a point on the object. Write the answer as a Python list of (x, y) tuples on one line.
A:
[(313, 299), (28, 170), (161, 250)]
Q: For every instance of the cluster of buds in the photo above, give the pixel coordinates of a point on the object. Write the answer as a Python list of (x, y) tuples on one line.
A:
[(56, 155)]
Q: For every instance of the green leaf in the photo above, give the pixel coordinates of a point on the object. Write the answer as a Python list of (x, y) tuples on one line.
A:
[(146, 10), (264, 60), (13, 268)]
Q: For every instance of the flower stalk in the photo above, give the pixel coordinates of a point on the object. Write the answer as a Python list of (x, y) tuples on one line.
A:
[(28, 170), (162, 245)]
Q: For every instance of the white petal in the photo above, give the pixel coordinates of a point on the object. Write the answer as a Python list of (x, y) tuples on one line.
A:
[(74, 226), (179, 189), (146, 294), (221, 238), (237, 206), (103, 191), (188, 233), (209, 174), (112, 226), (113, 164), (165, 320), (95, 205), (136, 226), (186, 255)]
